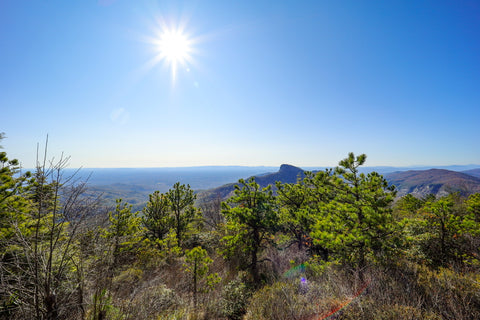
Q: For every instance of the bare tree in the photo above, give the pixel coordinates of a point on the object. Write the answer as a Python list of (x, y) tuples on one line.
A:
[(43, 271), (212, 212)]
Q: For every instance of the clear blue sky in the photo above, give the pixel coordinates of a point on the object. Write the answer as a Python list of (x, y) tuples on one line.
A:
[(269, 82)]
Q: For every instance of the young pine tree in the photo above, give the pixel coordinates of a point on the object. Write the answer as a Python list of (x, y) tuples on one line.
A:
[(181, 199), (156, 216), (357, 223), (197, 265), (123, 231), (252, 220)]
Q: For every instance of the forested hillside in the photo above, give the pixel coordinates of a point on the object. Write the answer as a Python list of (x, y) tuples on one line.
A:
[(434, 181), (473, 172), (324, 245), (286, 174)]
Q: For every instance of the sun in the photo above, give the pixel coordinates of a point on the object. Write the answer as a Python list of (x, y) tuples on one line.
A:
[(174, 48), (174, 45)]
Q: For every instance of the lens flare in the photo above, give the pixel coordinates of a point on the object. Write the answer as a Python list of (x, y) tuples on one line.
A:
[(300, 269), (337, 309), (295, 271)]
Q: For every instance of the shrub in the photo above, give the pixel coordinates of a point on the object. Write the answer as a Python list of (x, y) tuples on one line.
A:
[(102, 307), (126, 281), (153, 302), (280, 301), (454, 295), (235, 297), (370, 310)]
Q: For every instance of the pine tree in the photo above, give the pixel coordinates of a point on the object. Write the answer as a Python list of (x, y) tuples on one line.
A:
[(357, 223), (252, 220), (124, 230), (197, 264), (157, 217), (299, 210), (181, 199)]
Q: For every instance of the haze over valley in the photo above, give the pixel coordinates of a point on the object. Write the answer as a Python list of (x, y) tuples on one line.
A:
[(135, 184)]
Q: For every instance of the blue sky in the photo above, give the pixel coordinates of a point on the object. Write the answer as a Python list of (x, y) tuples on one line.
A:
[(269, 82)]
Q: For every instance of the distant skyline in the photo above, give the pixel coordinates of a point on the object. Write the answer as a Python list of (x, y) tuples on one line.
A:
[(254, 83)]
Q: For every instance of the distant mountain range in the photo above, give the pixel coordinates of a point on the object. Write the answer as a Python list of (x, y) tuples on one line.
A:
[(286, 174), (135, 184), (417, 182)]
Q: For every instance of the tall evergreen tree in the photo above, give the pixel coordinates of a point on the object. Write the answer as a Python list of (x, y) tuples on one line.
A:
[(295, 217), (358, 222), (156, 216), (124, 230), (252, 220), (197, 265), (181, 199), (300, 208), (13, 203), (452, 230)]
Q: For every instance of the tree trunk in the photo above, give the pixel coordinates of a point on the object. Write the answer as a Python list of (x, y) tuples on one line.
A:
[(254, 259), (195, 285)]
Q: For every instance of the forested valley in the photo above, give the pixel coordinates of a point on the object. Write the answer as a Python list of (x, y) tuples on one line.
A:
[(338, 244)]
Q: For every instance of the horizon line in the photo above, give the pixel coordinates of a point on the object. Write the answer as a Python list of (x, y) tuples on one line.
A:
[(270, 166)]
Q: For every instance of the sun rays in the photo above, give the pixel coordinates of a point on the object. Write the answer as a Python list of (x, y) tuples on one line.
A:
[(173, 46)]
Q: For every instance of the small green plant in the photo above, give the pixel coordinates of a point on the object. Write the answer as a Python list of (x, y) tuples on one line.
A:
[(103, 308), (235, 298), (196, 265)]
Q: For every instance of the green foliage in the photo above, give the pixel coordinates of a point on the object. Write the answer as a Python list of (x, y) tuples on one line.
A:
[(302, 205), (170, 214), (181, 199), (454, 295), (471, 222), (357, 223), (103, 308), (156, 216), (408, 206), (451, 230), (123, 222), (235, 298), (14, 207), (252, 220), (197, 264), (443, 231), (40, 264), (169, 245), (154, 252), (296, 216), (56, 265), (443, 223), (124, 231)]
